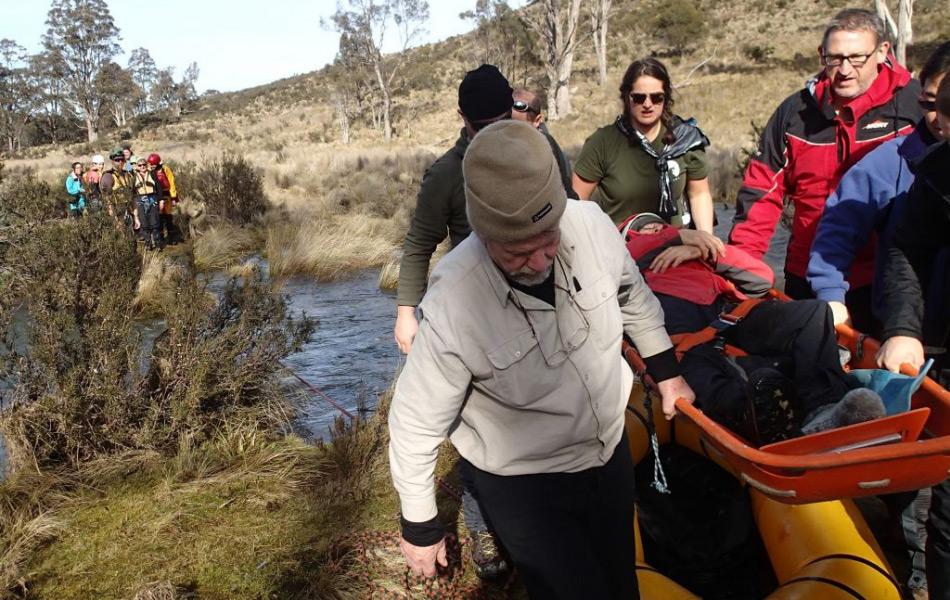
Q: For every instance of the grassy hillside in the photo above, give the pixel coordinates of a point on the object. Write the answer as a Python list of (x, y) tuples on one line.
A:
[(340, 207)]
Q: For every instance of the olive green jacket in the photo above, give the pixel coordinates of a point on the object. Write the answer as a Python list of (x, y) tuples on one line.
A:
[(440, 211)]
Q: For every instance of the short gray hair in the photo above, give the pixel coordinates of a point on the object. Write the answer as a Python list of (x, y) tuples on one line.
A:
[(856, 19)]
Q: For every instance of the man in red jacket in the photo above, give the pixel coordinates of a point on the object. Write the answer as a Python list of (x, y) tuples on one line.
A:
[(791, 382), (862, 98)]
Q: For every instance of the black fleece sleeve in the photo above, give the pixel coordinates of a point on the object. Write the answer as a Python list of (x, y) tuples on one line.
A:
[(422, 534)]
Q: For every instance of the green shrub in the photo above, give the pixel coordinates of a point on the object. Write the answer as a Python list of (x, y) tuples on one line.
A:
[(680, 23), (231, 188)]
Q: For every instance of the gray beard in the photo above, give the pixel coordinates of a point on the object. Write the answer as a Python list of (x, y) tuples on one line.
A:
[(529, 279)]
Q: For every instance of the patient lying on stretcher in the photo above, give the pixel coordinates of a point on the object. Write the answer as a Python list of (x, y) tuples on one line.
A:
[(791, 382)]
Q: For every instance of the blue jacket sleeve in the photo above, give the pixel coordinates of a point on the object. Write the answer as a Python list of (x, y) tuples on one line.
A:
[(73, 186), (851, 214)]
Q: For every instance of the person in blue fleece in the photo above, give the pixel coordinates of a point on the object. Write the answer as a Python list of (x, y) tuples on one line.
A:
[(868, 200), (76, 191)]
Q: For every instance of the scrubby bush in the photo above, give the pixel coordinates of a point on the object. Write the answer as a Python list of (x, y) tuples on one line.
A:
[(84, 384), (231, 188), (680, 23)]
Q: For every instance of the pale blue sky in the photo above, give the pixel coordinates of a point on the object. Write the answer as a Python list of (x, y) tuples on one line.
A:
[(236, 44)]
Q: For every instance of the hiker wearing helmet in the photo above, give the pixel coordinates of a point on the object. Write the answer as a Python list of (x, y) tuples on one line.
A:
[(169, 198), (77, 194), (517, 361), (861, 99), (648, 159), (146, 192), (91, 180)]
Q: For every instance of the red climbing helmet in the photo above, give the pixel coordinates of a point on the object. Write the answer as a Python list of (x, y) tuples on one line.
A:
[(154, 159)]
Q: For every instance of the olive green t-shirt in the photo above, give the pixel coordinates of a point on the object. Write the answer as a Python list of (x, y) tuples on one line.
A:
[(628, 180)]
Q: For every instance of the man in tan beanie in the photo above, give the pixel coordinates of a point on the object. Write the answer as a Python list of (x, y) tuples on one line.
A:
[(517, 360)]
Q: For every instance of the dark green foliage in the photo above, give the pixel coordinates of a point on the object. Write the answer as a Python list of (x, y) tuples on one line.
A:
[(231, 188), (83, 383), (758, 54), (209, 367), (680, 23), (71, 400)]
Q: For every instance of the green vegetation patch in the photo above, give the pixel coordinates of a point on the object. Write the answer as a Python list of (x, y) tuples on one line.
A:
[(233, 534)]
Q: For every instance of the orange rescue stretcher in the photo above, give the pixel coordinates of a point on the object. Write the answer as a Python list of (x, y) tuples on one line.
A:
[(906, 451)]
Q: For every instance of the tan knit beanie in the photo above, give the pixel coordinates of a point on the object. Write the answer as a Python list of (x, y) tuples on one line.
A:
[(513, 188)]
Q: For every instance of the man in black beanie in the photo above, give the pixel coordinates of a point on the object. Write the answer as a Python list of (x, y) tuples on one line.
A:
[(484, 98)]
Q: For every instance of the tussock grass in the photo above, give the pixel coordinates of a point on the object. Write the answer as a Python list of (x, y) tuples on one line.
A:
[(20, 537), (328, 249), (157, 285), (222, 246), (389, 274)]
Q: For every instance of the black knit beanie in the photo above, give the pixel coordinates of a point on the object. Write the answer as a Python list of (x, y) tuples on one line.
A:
[(484, 93)]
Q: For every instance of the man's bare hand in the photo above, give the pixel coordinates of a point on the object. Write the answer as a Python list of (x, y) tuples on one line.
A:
[(406, 327), (710, 246), (670, 390), (840, 313), (674, 256), (898, 350), (422, 559)]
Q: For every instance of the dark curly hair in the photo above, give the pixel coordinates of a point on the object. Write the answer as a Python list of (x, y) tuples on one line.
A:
[(649, 67)]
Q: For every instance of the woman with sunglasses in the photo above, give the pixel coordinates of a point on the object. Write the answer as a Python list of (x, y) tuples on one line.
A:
[(146, 192), (648, 160)]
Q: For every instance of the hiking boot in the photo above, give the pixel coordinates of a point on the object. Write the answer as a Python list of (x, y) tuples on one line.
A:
[(487, 558), (857, 406), (771, 415)]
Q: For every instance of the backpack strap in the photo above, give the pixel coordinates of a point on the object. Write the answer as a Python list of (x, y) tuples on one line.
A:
[(684, 342)]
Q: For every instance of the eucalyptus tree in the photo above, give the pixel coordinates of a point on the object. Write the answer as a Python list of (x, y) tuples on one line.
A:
[(80, 39), (144, 73), (17, 93), (557, 22), (367, 23)]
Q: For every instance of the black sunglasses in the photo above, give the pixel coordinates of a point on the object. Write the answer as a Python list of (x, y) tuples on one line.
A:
[(927, 105), (655, 98), (521, 106)]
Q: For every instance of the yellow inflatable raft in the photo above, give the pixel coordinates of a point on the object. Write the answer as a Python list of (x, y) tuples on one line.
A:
[(823, 550)]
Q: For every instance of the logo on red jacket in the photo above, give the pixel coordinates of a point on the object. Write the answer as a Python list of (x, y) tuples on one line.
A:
[(877, 125)]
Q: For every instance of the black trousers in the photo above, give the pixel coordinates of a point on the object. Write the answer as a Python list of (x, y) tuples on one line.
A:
[(149, 218), (858, 301), (938, 542), (167, 227), (802, 331), (569, 534)]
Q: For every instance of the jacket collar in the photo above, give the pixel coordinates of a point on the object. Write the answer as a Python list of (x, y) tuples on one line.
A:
[(931, 168), (461, 144), (891, 76)]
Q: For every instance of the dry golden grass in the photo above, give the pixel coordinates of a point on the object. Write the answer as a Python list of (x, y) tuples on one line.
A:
[(389, 274), (222, 246), (21, 535), (157, 285), (329, 248)]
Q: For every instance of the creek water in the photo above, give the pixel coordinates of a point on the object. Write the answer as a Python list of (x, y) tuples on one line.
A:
[(352, 357)]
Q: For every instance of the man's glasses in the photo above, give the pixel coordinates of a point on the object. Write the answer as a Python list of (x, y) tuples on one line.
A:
[(836, 60), (655, 98), (522, 106), (927, 105)]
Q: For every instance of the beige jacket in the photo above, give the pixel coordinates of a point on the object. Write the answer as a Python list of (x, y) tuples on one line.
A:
[(520, 386)]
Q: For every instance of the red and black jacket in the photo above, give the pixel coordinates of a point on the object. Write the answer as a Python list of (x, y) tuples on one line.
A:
[(735, 275), (805, 149)]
